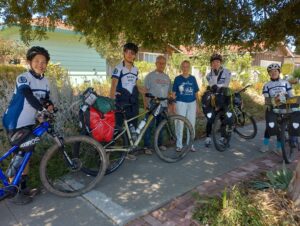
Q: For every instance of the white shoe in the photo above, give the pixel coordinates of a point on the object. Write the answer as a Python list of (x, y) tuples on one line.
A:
[(222, 141), (178, 149), (264, 148), (163, 148), (193, 148), (207, 141)]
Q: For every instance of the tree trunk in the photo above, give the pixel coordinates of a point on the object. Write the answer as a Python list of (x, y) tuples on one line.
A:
[(294, 187)]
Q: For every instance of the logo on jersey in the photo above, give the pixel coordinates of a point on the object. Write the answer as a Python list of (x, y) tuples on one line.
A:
[(115, 71), (22, 79)]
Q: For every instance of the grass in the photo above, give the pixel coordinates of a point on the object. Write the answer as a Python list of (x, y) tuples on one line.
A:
[(233, 207), (262, 201)]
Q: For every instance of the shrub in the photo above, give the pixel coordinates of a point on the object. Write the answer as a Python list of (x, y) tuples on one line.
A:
[(296, 73), (278, 179), (232, 208), (287, 69)]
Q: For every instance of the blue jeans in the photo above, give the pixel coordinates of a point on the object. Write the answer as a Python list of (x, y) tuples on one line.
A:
[(147, 137)]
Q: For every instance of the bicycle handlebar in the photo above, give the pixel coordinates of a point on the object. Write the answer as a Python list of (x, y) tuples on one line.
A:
[(244, 89), (149, 95)]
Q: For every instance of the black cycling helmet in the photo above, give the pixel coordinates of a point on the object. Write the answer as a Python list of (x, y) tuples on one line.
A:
[(35, 50), (216, 56), (131, 46)]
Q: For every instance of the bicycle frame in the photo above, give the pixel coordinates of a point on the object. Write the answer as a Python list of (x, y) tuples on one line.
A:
[(38, 132), (127, 130)]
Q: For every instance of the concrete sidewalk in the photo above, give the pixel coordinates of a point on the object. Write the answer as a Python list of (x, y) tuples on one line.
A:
[(137, 188)]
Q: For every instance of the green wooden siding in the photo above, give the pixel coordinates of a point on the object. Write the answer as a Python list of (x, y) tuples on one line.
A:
[(67, 48)]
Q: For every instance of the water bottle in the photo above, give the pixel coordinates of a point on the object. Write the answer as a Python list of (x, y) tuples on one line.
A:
[(141, 126), (133, 132), (282, 98), (14, 164)]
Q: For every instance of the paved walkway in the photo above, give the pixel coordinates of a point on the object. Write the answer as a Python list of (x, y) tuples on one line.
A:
[(145, 186), (179, 211)]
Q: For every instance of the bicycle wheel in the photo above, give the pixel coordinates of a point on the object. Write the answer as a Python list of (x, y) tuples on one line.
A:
[(245, 126), (60, 178), (221, 134), (288, 145), (170, 131), (116, 158)]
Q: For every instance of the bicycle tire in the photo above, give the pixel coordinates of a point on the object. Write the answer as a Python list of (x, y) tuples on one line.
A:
[(253, 123), (215, 130), (287, 147), (116, 158), (179, 155), (53, 154)]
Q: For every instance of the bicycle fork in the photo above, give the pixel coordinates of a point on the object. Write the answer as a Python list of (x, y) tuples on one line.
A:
[(60, 142)]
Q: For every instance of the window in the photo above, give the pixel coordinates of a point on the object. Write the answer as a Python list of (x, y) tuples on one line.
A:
[(150, 57)]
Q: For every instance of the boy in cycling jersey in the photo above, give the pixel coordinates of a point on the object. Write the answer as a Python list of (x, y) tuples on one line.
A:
[(218, 79), (124, 88), (31, 95), (276, 87)]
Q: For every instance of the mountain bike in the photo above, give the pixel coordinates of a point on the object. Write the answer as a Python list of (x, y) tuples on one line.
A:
[(288, 121), (230, 119), (61, 167), (123, 141)]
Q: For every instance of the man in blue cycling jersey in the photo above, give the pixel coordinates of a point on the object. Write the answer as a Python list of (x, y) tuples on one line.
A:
[(31, 95)]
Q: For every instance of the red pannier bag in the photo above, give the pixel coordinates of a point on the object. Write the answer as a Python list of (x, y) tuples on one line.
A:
[(101, 125)]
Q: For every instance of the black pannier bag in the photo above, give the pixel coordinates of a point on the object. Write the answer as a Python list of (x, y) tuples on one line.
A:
[(271, 123), (294, 124)]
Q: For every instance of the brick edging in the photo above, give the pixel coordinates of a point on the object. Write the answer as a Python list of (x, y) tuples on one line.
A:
[(179, 211)]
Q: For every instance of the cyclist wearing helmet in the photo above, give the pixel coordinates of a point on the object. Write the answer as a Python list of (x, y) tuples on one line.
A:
[(275, 88), (30, 95), (124, 87), (218, 79)]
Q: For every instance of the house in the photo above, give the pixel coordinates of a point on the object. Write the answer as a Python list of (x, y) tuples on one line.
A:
[(69, 49)]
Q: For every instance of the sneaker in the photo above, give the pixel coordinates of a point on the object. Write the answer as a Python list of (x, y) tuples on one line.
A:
[(148, 151), (178, 149), (222, 141), (163, 148), (21, 199), (130, 157), (31, 192), (207, 142), (264, 148), (193, 148)]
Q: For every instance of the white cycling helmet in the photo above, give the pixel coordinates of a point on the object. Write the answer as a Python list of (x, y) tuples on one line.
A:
[(273, 67)]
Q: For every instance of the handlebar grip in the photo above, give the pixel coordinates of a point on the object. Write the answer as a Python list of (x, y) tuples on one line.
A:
[(149, 95)]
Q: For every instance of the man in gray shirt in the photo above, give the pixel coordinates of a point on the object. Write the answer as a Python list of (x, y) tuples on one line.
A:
[(159, 85)]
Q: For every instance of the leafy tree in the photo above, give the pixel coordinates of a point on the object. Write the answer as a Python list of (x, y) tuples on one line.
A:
[(155, 24)]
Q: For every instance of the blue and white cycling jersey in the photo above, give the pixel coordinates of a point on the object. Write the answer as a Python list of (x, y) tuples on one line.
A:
[(127, 79), (19, 112), (275, 88)]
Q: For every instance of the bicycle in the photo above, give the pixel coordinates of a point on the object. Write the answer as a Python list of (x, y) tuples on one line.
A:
[(123, 142), (287, 124), (61, 171), (233, 119)]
